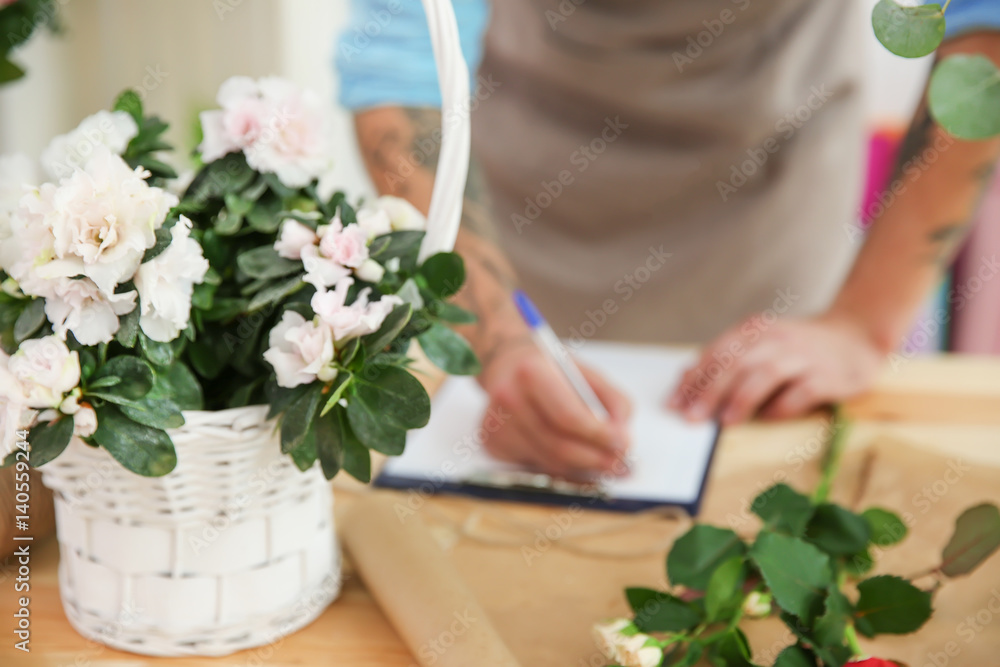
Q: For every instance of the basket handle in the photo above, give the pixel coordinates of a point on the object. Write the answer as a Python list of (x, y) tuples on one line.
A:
[(453, 165)]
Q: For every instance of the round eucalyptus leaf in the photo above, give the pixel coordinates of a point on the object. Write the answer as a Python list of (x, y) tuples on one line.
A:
[(911, 32), (964, 96)]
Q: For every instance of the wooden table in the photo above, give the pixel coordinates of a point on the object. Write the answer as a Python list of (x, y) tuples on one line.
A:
[(953, 400)]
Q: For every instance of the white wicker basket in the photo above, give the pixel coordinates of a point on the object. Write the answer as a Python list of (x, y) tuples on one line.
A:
[(236, 547)]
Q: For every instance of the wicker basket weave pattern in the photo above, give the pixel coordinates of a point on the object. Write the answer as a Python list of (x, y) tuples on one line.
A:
[(232, 549)]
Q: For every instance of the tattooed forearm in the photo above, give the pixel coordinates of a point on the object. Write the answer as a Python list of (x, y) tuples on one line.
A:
[(401, 149)]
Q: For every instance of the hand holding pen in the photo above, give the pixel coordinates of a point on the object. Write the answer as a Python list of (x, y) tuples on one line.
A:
[(550, 414)]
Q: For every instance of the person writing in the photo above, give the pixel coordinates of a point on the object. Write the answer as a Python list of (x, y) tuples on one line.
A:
[(682, 172)]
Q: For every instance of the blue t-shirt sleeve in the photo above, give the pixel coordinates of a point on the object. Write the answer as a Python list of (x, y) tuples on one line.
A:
[(384, 55), (965, 16)]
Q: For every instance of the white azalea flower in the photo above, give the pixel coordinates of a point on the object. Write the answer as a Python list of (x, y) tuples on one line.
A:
[(619, 640), (358, 319), (280, 128), (166, 283), (347, 246), (300, 351), (374, 221), (370, 270), (757, 604), (84, 422), (66, 153), (81, 307), (295, 237), (403, 216), (13, 406), (46, 371), (100, 222)]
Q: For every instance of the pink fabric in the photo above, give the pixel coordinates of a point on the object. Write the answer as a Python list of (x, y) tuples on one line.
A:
[(976, 290), (882, 149)]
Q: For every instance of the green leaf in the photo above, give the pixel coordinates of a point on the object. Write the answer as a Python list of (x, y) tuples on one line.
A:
[(725, 589), (227, 224), (304, 454), (444, 273), (159, 354), (698, 552), (734, 649), (136, 378), (797, 573), (794, 656), (329, 442), (275, 293), (9, 71), (391, 326), (885, 526), (181, 386), (964, 96), (829, 629), (660, 612), (298, 418), (890, 605), (49, 439), (279, 398), (264, 262), (128, 328), (976, 537), (783, 509), (858, 564), (164, 236), (340, 384), (373, 428), (265, 216), (106, 381), (30, 320), (404, 245), (838, 531), (229, 173), (910, 31), (693, 654), (142, 449), (449, 312), (349, 351), (130, 102), (449, 351), (159, 413), (357, 460), (394, 395)]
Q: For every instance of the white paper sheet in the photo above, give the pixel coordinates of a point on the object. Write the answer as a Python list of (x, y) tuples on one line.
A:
[(669, 458)]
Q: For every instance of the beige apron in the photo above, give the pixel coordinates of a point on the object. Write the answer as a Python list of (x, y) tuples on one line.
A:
[(663, 168)]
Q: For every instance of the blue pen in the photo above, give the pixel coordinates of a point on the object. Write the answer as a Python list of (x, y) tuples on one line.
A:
[(549, 342)]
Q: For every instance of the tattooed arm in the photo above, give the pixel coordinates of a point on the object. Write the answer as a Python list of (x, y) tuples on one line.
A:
[(542, 421), (800, 364), (940, 181)]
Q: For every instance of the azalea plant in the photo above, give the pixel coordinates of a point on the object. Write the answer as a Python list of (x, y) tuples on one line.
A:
[(19, 19), (964, 93), (808, 566), (131, 295)]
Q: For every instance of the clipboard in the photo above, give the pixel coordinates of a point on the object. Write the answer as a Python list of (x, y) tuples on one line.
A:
[(669, 460)]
